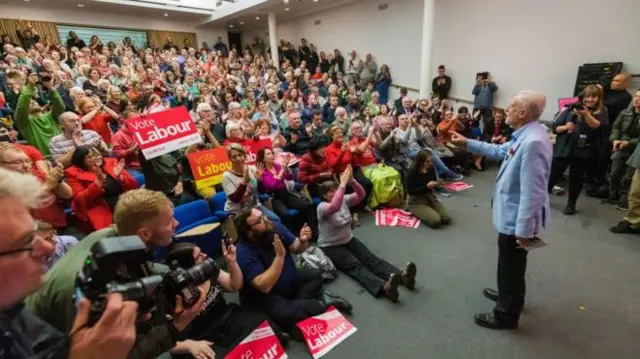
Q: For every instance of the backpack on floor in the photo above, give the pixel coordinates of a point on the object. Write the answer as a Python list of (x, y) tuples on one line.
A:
[(315, 258)]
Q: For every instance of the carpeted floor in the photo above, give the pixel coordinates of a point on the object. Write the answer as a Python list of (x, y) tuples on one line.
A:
[(583, 289)]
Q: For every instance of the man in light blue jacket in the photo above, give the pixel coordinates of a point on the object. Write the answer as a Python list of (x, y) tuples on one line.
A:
[(520, 203)]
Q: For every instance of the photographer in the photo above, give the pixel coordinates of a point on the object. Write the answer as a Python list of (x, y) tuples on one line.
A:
[(578, 132), (149, 215), (483, 91), (24, 252)]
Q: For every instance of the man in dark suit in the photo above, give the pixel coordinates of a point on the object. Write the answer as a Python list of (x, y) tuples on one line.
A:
[(398, 103), (406, 107)]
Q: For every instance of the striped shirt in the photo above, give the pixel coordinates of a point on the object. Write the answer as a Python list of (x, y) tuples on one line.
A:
[(60, 144)]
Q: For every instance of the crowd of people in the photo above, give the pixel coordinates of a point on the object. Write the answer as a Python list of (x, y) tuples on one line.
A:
[(340, 148)]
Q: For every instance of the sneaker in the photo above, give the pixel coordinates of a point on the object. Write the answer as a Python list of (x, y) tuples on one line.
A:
[(455, 177), (623, 227), (443, 192), (390, 288), (409, 276), (622, 206)]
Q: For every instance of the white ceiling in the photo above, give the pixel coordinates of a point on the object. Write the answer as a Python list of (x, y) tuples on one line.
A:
[(296, 9), (111, 8)]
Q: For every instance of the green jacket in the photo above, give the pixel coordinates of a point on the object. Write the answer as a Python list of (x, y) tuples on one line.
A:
[(627, 128), (54, 303), (38, 130)]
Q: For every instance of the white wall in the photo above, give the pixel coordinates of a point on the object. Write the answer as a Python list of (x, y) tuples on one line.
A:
[(392, 36), (536, 45)]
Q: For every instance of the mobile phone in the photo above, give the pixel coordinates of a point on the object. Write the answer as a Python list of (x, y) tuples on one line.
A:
[(227, 239)]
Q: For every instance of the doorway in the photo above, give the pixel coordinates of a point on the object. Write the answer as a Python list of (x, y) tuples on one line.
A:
[(235, 40)]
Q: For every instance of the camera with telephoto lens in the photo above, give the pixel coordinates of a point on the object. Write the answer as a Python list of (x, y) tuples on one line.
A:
[(121, 265), (117, 265), (185, 275)]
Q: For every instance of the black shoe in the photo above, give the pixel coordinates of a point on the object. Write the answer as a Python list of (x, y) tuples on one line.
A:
[(409, 276), (608, 200), (490, 294), (489, 320), (623, 227), (569, 210), (329, 299), (390, 287)]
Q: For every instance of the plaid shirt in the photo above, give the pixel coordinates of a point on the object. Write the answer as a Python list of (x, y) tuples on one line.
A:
[(310, 169)]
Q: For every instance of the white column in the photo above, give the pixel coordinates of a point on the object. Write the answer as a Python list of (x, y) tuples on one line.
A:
[(428, 20), (273, 39)]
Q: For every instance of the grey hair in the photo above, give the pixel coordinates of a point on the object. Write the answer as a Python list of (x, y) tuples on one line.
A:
[(230, 127), (24, 187), (203, 106), (375, 94), (534, 102), (234, 106), (75, 90)]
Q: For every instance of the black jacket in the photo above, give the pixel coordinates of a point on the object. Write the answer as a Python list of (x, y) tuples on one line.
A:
[(302, 144), (441, 90), (570, 144), (24, 335), (489, 127)]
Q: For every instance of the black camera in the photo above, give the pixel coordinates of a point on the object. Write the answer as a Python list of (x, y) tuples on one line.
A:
[(45, 77), (120, 265), (117, 265), (578, 106), (186, 275)]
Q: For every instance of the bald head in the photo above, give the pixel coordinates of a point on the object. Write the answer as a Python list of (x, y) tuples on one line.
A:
[(527, 106), (621, 81)]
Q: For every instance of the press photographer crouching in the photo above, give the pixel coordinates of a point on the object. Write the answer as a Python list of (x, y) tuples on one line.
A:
[(23, 254), (187, 325), (578, 137)]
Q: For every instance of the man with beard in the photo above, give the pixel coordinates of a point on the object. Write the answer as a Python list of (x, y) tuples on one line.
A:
[(272, 283)]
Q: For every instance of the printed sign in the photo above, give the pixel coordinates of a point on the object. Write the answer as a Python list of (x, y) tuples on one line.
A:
[(564, 102), (394, 217), (162, 132), (208, 166), (457, 186), (262, 343), (252, 147), (323, 332)]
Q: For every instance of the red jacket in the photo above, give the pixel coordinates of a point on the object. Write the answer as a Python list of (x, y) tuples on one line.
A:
[(337, 159), (90, 208), (122, 141), (309, 169)]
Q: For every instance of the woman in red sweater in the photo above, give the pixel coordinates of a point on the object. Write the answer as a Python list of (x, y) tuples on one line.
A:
[(339, 155), (96, 183)]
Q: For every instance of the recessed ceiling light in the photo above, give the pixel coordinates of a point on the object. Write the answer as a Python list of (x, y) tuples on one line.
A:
[(231, 26), (27, 0), (257, 17), (166, 14), (241, 22), (286, 9), (286, 1), (80, 5), (315, 0)]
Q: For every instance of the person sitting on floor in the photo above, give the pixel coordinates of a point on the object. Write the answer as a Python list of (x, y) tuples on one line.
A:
[(347, 252), (421, 183), (272, 283)]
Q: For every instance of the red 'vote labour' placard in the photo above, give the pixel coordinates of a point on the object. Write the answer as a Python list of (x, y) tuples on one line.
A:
[(323, 332), (261, 343), (162, 132)]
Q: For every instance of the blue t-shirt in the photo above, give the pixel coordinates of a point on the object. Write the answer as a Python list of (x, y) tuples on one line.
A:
[(255, 258)]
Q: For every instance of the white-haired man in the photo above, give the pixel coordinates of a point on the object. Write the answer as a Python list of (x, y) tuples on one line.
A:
[(520, 203), (23, 253)]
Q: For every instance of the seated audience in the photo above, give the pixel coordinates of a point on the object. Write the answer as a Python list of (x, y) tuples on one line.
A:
[(97, 184), (96, 117), (314, 167), (9, 137), (240, 183), (272, 283), (421, 184), (347, 252), (125, 147), (55, 188), (63, 145), (163, 174), (61, 243)]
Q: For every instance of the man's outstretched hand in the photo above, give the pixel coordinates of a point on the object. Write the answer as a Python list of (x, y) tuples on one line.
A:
[(458, 139)]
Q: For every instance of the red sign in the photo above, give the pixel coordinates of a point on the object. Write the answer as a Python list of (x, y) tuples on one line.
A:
[(457, 186), (162, 132), (252, 147), (323, 332), (262, 343), (208, 166), (393, 217)]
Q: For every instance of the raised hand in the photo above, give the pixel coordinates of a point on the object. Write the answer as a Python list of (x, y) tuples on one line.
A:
[(458, 139), (278, 246), (54, 177), (345, 176), (119, 167), (245, 175), (305, 233), (100, 175), (259, 170), (229, 252)]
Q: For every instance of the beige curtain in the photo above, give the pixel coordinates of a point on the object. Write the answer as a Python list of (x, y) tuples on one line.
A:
[(178, 38), (43, 28)]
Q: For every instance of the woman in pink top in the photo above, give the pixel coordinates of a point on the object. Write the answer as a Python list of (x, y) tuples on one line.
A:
[(274, 182)]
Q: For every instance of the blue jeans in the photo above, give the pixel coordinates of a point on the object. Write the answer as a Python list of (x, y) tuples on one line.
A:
[(268, 213), (441, 169)]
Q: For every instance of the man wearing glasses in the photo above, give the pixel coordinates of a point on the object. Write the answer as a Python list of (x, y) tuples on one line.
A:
[(272, 283), (23, 254)]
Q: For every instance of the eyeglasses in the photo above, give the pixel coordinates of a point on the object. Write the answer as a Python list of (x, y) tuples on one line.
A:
[(17, 162), (29, 240)]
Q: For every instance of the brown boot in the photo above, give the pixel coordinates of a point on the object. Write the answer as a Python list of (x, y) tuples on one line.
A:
[(390, 287), (409, 276)]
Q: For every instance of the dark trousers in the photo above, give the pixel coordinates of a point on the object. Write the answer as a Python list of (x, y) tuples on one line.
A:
[(286, 312), (357, 261), (577, 169), (283, 200), (359, 176), (619, 171), (512, 265)]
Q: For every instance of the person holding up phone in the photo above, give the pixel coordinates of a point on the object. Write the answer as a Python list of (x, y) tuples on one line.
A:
[(483, 91)]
